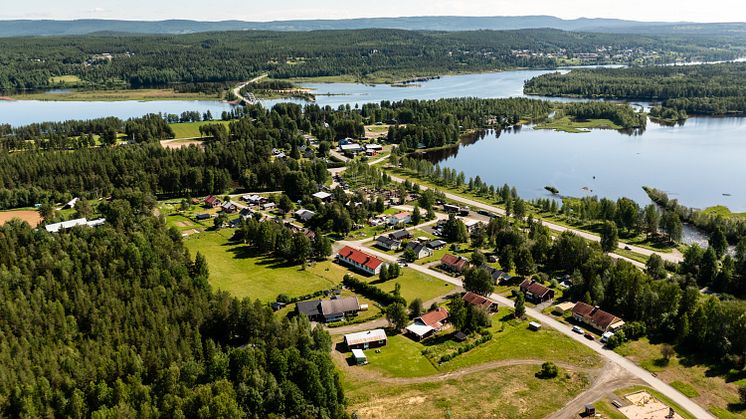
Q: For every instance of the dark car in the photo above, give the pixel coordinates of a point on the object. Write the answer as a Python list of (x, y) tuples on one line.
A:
[(590, 336)]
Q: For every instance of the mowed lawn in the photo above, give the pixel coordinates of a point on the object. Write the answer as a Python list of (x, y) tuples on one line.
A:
[(191, 129), (507, 392), (415, 284), (234, 268), (402, 357)]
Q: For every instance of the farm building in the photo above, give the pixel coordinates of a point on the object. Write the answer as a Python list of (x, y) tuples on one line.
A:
[(360, 260), (67, 225), (366, 340), (596, 318)]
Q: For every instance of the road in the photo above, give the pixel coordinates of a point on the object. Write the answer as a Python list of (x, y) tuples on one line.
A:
[(548, 321), (237, 89)]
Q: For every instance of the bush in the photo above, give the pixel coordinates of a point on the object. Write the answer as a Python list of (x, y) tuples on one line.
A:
[(548, 370), (370, 291)]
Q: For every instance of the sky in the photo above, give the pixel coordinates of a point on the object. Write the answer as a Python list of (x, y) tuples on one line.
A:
[(256, 10)]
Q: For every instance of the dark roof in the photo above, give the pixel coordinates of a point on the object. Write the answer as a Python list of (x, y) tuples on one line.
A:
[(595, 315), (434, 317), (478, 300), (535, 288), (309, 308), (460, 336), (417, 247), (496, 274), (436, 243), (401, 234), (388, 241), (339, 306)]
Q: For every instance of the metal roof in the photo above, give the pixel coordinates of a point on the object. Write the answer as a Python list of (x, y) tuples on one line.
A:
[(367, 336)]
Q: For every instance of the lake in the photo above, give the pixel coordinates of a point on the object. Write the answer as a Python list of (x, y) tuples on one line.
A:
[(696, 163)]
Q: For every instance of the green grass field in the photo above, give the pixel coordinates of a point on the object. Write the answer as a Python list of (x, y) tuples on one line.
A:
[(415, 284), (234, 268), (68, 79), (191, 129)]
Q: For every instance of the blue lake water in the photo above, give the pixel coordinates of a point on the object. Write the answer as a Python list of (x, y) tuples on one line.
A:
[(696, 163)]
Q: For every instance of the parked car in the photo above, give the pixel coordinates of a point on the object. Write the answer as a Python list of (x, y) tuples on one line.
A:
[(589, 336), (577, 330)]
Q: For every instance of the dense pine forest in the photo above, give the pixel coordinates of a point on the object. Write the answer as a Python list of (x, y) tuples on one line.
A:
[(119, 321), (205, 62), (710, 89)]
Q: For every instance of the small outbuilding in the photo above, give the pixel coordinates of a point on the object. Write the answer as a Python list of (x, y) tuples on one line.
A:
[(534, 326), (359, 356)]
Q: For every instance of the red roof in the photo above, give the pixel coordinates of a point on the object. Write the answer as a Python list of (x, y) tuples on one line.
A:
[(478, 300), (456, 262), (534, 288), (211, 200), (435, 317), (594, 315), (360, 258), (401, 215)]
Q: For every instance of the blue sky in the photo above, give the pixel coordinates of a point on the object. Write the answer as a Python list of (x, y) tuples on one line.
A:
[(648, 10)]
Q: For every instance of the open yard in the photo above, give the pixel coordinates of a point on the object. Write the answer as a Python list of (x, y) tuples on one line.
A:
[(708, 385), (415, 284), (180, 143), (32, 217), (505, 392), (236, 269)]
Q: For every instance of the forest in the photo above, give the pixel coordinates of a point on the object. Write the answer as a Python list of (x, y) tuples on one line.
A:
[(119, 321), (207, 61), (707, 89)]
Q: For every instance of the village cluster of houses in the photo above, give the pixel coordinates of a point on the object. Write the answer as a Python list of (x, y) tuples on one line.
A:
[(350, 148)]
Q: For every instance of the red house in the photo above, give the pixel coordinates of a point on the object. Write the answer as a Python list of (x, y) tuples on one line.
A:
[(212, 201), (455, 264), (360, 261)]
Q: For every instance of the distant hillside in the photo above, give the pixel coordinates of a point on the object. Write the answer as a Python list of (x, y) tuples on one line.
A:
[(12, 28)]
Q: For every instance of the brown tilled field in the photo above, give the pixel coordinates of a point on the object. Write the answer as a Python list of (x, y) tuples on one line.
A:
[(31, 217)]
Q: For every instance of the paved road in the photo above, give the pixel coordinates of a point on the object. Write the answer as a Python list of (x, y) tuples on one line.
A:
[(237, 89), (612, 356), (674, 256)]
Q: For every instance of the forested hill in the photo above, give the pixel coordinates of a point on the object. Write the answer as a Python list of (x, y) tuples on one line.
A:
[(198, 59), (10, 28), (710, 89), (117, 321)]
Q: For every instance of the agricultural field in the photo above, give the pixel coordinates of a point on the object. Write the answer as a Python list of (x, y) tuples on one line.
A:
[(32, 217)]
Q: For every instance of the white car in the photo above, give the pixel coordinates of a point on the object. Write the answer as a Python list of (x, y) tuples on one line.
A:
[(577, 330)]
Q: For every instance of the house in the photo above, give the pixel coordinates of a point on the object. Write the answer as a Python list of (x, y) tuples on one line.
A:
[(228, 207), (324, 196), (212, 201), (536, 292), (596, 318), (420, 250), (472, 225), (360, 261), (254, 199), (401, 235), (359, 356), (455, 264), (304, 215), (268, 206), (366, 340), (436, 244), (428, 323), (387, 243), (373, 147), (332, 310), (497, 275), (480, 301), (399, 219), (67, 225)]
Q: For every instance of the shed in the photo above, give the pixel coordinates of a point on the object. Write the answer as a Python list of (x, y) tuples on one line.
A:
[(359, 356), (590, 410), (534, 326)]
